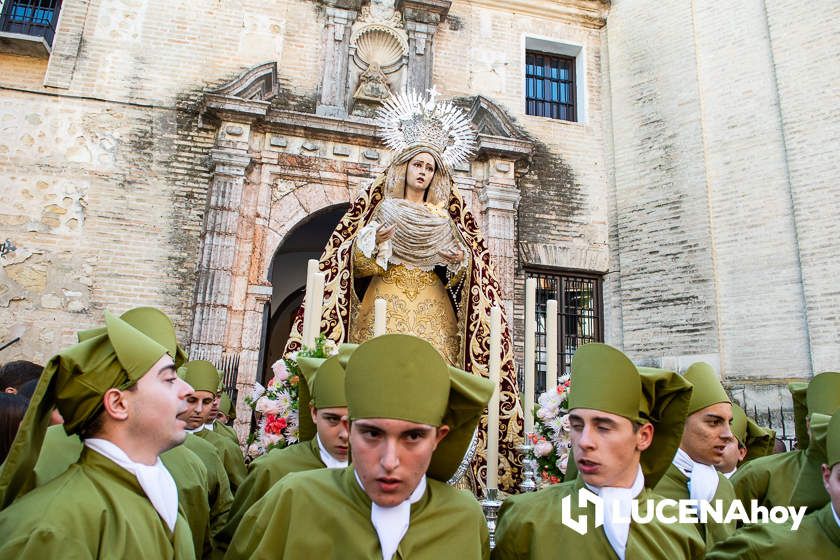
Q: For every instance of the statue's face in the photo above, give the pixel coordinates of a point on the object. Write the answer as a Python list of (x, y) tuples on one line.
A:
[(419, 173)]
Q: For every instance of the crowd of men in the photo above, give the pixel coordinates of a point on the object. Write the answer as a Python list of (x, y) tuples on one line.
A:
[(118, 448)]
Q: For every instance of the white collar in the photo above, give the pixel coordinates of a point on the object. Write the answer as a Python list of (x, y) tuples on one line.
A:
[(618, 504), (836, 517), (195, 430), (702, 479), (209, 426), (730, 473), (391, 523), (330, 461), (155, 480)]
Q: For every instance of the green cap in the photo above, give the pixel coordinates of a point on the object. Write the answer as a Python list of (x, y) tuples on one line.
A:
[(201, 375), (758, 441), (226, 406), (809, 490), (153, 323), (403, 377), (603, 378), (322, 386), (798, 392), (74, 381), (832, 441), (707, 387), (823, 395)]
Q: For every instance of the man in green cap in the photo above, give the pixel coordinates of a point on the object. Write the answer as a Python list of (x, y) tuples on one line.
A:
[(227, 411), (60, 450), (215, 424), (411, 420), (750, 442), (119, 391), (770, 480), (625, 427), (204, 379), (692, 474), (324, 380), (818, 535)]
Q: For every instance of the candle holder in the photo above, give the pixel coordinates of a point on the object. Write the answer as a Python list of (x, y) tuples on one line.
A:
[(529, 465), (491, 504)]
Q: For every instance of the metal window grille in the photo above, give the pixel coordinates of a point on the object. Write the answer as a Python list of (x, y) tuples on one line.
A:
[(30, 17), (550, 86), (580, 309)]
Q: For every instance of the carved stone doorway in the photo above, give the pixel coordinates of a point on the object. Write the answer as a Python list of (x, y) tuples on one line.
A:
[(306, 240)]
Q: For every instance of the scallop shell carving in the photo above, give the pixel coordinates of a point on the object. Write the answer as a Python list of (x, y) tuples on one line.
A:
[(379, 44)]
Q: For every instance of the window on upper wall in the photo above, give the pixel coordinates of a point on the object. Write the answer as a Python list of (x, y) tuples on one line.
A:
[(37, 18), (580, 311), (550, 86)]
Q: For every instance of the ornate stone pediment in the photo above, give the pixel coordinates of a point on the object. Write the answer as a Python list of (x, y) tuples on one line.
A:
[(257, 84), (498, 135)]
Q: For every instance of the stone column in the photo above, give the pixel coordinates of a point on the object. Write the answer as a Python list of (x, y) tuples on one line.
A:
[(340, 17), (218, 247), (421, 20), (499, 198)]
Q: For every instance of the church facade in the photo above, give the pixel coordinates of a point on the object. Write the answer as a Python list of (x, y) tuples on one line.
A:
[(664, 169)]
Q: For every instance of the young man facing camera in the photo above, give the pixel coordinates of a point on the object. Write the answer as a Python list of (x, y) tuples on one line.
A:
[(119, 391), (625, 427), (324, 381), (411, 419)]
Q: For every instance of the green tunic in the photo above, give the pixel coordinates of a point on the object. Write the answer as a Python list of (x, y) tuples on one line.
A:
[(60, 451), (674, 485), (219, 494), (445, 522), (817, 537), (232, 457), (264, 472), (96, 509), (225, 430), (770, 480), (530, 526)]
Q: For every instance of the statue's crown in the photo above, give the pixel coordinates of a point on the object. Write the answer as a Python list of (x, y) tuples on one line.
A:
[(413, 118)]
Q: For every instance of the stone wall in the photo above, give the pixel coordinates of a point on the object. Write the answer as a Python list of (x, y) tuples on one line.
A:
[(723, 206)]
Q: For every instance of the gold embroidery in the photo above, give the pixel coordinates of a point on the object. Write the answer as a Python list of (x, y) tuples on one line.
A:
[(410, 281)]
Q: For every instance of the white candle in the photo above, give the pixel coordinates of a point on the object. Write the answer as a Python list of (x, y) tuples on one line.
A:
[(379, 317), (551, 344), (311, 270), (494, 367), (530, 352), (318, 281)]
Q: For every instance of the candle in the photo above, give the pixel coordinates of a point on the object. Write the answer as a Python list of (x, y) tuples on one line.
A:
[(530, 352), (551, 344), (311, 270), (494, 365), (380, 306), (317, 304)]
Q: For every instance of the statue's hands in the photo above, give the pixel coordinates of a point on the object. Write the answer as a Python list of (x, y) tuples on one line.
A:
[(455, 256), (384, 233)]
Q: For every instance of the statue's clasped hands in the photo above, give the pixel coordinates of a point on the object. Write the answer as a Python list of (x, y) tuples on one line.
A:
[(384, 233), (454, 256)]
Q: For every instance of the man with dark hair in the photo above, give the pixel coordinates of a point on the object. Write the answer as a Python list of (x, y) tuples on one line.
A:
[(120, 392), (14, 374), (411, 419), (625, 425)]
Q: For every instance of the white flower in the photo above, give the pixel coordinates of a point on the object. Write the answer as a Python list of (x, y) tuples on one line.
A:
[(257, 391), (564, 423), (255, 450), (555, 424), (550, 399), (293, 356), (563, 462), (269, 439), (546, 413), (281, 373), (284, 402), (543, 448), (330, 347), (267, 406)]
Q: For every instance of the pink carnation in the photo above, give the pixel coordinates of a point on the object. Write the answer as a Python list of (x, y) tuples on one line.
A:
[(543, 448), (281, 373)]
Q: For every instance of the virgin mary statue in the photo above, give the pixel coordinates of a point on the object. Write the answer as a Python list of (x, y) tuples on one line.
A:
[(409, 240)]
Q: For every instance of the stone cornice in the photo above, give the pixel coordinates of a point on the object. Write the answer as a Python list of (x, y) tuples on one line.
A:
[(590, 13)]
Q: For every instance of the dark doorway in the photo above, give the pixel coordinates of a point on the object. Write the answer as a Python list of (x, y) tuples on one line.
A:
[(306, 240)]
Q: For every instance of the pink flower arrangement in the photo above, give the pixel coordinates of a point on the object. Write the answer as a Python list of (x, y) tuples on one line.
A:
[(551, 441)]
